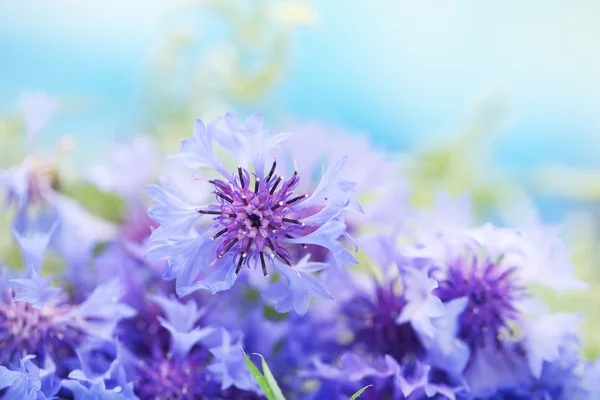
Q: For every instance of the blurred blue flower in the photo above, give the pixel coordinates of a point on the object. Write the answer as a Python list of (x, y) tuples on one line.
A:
[(26, 381), (484, 276), (35, 318), (172, 357), (32, 188)]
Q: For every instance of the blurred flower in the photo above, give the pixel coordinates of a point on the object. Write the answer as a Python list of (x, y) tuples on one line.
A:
[(35, 319), (32, 188), (174, 358), (377, 345), (27, 381), (490, 270)]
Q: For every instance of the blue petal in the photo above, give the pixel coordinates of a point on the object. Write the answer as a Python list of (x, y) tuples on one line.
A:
[(491, 370), (422, 305), (229, 363), (33, 248), (544, 337), (256, 144), (198, 152), (35, 290), (175, 216), (208, 274), (327, 236), (181, 316), (182, 342), (445, 350), (8, 377), (181, 252), (103, 310), (332, 187), (298, 289)]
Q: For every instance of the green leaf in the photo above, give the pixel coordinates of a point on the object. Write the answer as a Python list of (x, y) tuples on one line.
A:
[(278, 395), (357, 394), (259, 378)]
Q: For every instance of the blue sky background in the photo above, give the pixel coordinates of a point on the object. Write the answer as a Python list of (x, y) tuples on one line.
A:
[(398, 70)]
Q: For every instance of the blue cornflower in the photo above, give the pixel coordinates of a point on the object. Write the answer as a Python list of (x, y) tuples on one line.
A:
[(258, 219), (111, 385), (493, 269), (171, 357), (380, 342), (32, 189), (26, 381), (35, 318), (484, 276)]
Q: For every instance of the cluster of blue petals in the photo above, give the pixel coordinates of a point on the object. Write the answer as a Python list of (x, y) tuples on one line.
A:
[(248, 242)]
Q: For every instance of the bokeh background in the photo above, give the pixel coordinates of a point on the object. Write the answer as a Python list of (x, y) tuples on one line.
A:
[(496, 100)]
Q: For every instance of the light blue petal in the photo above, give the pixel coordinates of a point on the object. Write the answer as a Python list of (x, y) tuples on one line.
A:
[(230, 365), (295, 293), (332, 187), (422, 305), (175, 216), (181, 316), (33, 248), (35, 290), (8, 377), (102, 310), (182, 342), (445, 350), (198, 152), (545, 335), (328, 236)]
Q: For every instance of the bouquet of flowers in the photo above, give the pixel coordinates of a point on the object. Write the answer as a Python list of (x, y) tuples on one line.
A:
[(301, 246)]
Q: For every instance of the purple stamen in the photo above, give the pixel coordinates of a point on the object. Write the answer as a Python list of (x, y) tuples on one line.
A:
[(228, 247), (259, 217), (275, 185), (272, 171), (227, 199), (295, 199), (241, 177)]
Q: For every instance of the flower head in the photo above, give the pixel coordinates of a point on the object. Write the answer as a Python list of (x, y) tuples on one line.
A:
[(36, 319), (170, 356), (484, 276), (492, 292), (258, 217)]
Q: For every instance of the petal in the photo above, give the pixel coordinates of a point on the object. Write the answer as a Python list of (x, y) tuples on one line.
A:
[(33, 248), (182, 342), (198, 152)]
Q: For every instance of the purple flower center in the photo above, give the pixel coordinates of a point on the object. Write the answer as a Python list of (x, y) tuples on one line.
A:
[(253, 220), (168, 379), (374, 326), (491, 291), (26, 330)]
